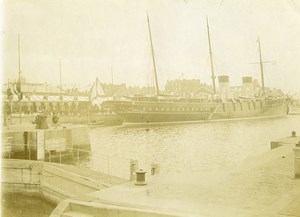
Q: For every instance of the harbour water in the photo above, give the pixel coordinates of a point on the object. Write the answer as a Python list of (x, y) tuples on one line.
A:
[(179, 148)]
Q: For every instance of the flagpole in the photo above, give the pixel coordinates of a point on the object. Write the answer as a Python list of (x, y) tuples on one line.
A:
[(61, 97), (10, 106), (112, 80), (20, 93)]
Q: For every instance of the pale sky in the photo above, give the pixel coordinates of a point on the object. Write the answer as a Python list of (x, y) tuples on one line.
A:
[(91, 37)]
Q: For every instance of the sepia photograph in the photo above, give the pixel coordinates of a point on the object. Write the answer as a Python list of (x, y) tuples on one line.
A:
[(150, 108)]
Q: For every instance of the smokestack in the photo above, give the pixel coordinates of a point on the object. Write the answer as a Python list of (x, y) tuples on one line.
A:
[(247, 88), (224, 87)]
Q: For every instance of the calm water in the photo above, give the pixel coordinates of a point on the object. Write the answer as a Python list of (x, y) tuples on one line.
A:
[(185, 147)]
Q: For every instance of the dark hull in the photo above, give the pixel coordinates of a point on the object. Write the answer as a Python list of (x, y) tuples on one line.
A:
[(154, 112)]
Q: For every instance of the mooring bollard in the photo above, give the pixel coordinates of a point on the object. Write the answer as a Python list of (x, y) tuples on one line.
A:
[(293, 133), (297, 160), (154, 169), (140, 177), (133, 168)]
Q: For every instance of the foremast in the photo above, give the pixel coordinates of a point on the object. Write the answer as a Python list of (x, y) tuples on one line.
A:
[(153, 57), (213, 77)]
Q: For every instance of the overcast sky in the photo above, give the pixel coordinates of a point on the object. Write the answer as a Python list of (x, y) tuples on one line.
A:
[(93, 38)]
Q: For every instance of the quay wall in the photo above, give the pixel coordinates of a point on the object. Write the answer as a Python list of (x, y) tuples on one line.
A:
[(55, 182), (290, 140), (97, 209)]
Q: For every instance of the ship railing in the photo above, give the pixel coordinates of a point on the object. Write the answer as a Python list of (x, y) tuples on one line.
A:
[(109, 164), (14, 149), (72, 156)]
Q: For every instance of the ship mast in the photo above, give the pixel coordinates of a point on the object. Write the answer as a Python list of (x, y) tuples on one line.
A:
[(213, 77), (153, 57), (261, 68), (261, 62)]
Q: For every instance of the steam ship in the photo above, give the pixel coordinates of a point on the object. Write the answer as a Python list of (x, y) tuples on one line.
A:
[(166, 108)]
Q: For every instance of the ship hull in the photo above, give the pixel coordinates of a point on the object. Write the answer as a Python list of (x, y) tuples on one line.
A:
[(155, 112)]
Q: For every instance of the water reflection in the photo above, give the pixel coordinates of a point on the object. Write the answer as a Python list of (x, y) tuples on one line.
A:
[(181, 147)]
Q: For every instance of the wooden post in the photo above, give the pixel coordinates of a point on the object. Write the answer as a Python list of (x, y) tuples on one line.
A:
[(78, 157)]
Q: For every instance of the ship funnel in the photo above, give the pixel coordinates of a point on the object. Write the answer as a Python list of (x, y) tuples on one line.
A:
[(224, 87), (247, 88)]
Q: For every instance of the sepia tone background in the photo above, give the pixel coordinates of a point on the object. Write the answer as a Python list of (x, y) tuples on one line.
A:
[(94, 37)]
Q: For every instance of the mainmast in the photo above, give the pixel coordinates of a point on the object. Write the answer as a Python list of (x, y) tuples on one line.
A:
[(261, 68), (153, 57), (211, 59)]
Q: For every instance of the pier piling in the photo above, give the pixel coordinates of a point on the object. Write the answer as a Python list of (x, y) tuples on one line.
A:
[(297, 160)]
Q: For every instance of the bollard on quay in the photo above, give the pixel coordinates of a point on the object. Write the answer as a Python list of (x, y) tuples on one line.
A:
[(154, 169), (293, 133), (133, 167), (297, 160), (140, 177)]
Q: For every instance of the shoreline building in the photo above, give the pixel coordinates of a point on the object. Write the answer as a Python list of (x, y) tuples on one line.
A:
[(36, 97)]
